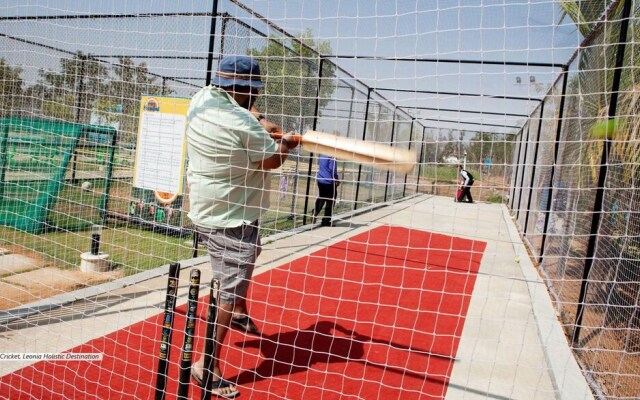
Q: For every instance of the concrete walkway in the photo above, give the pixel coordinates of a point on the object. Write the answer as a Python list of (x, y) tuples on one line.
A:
[(512, 345)]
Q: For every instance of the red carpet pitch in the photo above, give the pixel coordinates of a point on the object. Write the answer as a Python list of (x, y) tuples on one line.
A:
[(376, 316)]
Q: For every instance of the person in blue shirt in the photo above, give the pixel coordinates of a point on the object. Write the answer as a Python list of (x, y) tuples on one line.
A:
[(328, 182)]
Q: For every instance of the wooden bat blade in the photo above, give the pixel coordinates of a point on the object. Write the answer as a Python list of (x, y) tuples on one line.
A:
[(379, 155)]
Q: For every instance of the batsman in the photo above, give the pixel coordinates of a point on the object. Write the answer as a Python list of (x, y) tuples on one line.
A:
[(231, 152)]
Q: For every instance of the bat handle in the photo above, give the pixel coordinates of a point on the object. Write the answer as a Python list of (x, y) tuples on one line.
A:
[(279, 135)]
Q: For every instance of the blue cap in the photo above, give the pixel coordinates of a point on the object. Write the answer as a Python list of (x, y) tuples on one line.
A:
[(238, 71)]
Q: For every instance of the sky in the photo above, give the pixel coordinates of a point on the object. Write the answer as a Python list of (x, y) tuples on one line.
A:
[(472, 30)]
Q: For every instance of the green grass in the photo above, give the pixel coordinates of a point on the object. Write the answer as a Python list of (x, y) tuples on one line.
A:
[(132, 249), (441, 173), (282, 223)]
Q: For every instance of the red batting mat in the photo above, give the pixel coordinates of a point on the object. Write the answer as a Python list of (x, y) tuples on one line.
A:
[(378, 315)]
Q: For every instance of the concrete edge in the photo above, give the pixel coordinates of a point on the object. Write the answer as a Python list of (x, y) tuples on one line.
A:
[(565, 373)]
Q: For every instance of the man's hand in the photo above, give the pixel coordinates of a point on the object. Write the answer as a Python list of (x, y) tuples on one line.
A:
[(286, 142), (290, 138)]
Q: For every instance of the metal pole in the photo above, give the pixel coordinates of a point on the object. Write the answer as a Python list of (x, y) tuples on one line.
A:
[(524, 169), (212, 39), (533, 169), (109, 177), (353, 95), (517, 167), (371, 174), (223, 34), (79, 90), (316, 112), (422, 146), (404, 188), (294, 184), (602, 176), (364, 137), (556, 152), (4, 157), (393, 128)]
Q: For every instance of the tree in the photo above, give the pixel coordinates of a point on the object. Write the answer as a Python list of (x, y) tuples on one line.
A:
[(10, 87), (497, 147), (121, 102), (86, 86), (71, 93), (448, 145), (290, 72), (594, 82)]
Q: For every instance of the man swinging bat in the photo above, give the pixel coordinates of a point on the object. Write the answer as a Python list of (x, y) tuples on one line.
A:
[(230, 155)]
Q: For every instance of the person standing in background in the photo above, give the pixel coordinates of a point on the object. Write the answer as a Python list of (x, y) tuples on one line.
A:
[(466, 181), (328, 182)]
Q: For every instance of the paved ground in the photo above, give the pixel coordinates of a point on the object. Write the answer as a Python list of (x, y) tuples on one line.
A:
[(27, 278), (512, 346)]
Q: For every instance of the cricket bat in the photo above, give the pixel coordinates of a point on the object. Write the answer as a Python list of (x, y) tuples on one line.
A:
[(378, 155)]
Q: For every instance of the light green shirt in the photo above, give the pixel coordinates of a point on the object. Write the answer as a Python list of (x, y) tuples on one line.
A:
[(224, 143)]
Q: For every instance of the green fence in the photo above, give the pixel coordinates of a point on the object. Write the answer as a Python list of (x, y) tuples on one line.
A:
[(54, 175)]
